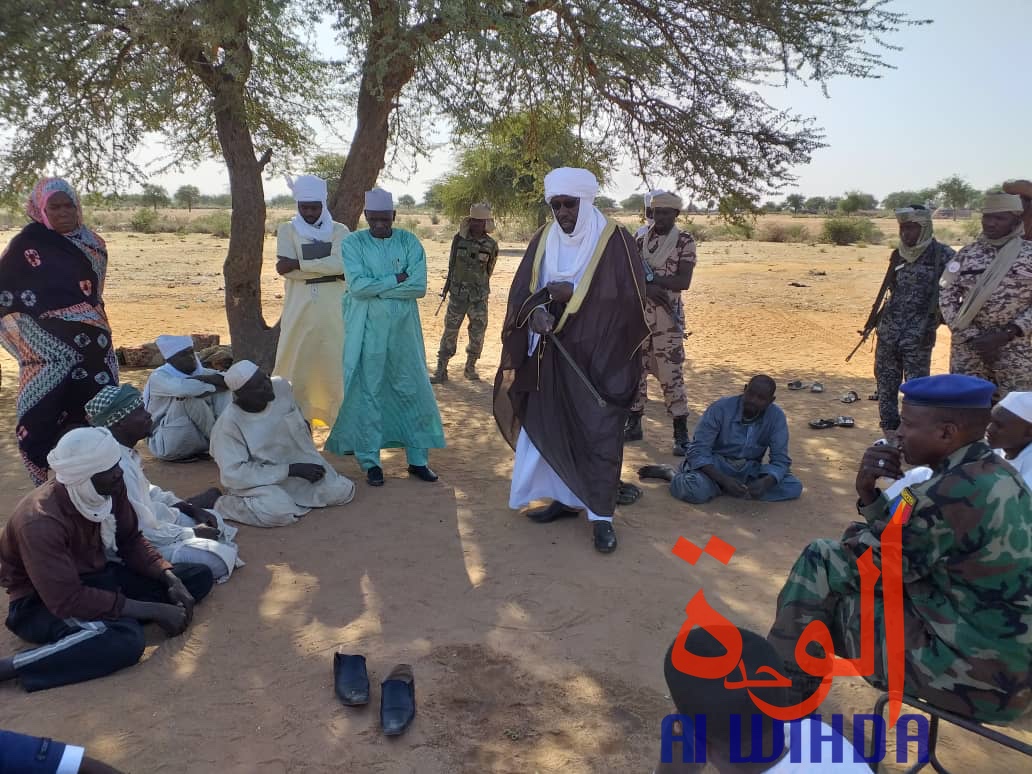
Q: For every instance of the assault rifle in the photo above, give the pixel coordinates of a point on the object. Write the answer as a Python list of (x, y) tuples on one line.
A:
[(447, 281), (877, 309)]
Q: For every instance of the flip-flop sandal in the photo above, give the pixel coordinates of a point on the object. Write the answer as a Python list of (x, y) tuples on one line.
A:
[(816, 387), (822, 424), (850, 397), (796, 385), (627, 494), (844, 422)]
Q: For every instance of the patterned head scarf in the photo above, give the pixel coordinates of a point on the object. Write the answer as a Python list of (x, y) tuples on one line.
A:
[(83, 238), (924, 218), (113, 404)]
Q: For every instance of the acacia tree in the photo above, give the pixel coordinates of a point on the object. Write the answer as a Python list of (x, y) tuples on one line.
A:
[(154, 195), (956, 193), (82, 88), (676, 93), (188, 196)]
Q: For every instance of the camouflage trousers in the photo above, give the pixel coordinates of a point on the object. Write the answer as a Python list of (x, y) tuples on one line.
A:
[(1011, 372), (824, 585), (459, 307), (894, 363), (662, 355)]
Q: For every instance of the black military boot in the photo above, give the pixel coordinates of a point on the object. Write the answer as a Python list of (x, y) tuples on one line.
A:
[(680, 436), (632, 430), (441, 374), (470, 372)]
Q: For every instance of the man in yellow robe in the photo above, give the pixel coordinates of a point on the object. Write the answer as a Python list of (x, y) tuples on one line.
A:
[(312, 327)]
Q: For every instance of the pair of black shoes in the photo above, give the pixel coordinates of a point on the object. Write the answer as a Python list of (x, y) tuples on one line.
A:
[(602, 532), (423, 472), (397, 692)]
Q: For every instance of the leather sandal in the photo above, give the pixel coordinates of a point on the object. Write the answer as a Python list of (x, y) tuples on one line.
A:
[(350, 679), (397, 700)]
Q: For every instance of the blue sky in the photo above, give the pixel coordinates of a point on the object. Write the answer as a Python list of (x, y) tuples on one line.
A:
[(957, 101)]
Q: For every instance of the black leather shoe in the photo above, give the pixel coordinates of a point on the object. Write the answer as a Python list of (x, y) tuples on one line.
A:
[(397, 700), (605, 537), (552, 512), (375, 476), (350, 679), (422, 472)]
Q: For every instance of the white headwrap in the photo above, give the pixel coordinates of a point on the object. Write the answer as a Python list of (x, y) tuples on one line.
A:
[(79, 455), (567, 255), (173, 345), (652, 195), (1019, 404), (239, 374), (379, 200), (309, 188)]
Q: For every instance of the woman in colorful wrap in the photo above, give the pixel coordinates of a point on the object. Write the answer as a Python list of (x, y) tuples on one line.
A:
[(52, 320)]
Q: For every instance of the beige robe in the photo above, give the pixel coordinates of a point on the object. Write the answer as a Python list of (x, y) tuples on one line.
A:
[(311, 345)]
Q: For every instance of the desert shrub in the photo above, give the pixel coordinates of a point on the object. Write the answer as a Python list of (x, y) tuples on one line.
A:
[(699, 231), (145, 221), (215, 222), (409, 224), (972, 227), (435, 218), (425, 232), (849, 230), (783, 232)]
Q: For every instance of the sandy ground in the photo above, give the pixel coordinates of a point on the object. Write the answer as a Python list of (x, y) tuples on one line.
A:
[(532, 652)]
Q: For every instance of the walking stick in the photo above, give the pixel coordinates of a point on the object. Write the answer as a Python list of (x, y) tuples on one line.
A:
[(577, 370)]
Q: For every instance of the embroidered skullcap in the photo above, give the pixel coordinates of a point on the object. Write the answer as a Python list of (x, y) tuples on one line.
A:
[(949, 391), (308, 188), (83, 453), (379, 200), (173, 345), (667, 199), (571, 181), (113, 404), (1019, 404), (239, 374), (1002, 202)]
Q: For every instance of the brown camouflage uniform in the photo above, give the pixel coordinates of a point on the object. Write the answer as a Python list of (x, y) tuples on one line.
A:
[(663, 352), (1011, 303), (967, 623), (470, 277)]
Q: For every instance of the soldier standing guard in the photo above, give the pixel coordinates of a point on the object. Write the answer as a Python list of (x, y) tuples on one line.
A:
[(907, 323), (668, 255), (470, 265)]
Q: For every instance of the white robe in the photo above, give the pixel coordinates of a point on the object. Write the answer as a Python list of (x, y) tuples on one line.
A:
[(170, 530), (184, 412), (1022, 463), (254, 452)]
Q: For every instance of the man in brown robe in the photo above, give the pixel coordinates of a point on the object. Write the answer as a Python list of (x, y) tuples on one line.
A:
[(579, 292)]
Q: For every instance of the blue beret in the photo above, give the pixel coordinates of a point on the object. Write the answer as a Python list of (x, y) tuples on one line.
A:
[(949, 391)]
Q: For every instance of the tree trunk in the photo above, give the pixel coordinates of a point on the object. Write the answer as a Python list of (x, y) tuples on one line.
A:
[(252, 338)]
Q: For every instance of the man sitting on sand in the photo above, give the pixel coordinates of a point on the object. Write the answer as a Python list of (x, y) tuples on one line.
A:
[(181, 530), (270, 468), (66, 596), (726, 454), (185, 399)]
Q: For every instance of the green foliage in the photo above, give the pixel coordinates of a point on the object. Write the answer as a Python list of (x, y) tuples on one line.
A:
[(187, 196), (847, 231), (144, 221), (507, 165), (328, 167), (407, 201), (816, 204), (899, 199), (155, 195), (771, 206), (282, 202), (633, 203), (795, 202), (783, 232), (605, 203), (956, 192), (216, 222), (972, 227), (432, 197), (854, 201)]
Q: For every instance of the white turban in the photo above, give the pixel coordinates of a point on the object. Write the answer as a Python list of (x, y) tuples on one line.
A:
[(309, 188), (173, 345), (570, 181), (1003, 202), (239, 374), (379, 200), (79, 455), (1019, 404), (667, 199)]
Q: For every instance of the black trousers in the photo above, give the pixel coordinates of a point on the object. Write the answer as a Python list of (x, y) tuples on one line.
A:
[(72, 651)]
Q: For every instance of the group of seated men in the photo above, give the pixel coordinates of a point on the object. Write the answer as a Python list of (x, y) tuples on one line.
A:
[(98, 550)]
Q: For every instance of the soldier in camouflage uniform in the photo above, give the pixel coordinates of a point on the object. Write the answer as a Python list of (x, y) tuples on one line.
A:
[(967, 624), (906, 328), (986, 300), (470, 265), (669, 258)]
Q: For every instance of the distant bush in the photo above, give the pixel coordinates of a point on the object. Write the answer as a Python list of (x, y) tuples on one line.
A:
[(435, 218), (783, 232), (215, 222), (144, 221), (847, 231), (409, 224), (425, 232), (972, 228)]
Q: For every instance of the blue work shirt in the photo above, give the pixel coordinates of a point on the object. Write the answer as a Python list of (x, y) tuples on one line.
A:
[(722, 433)]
